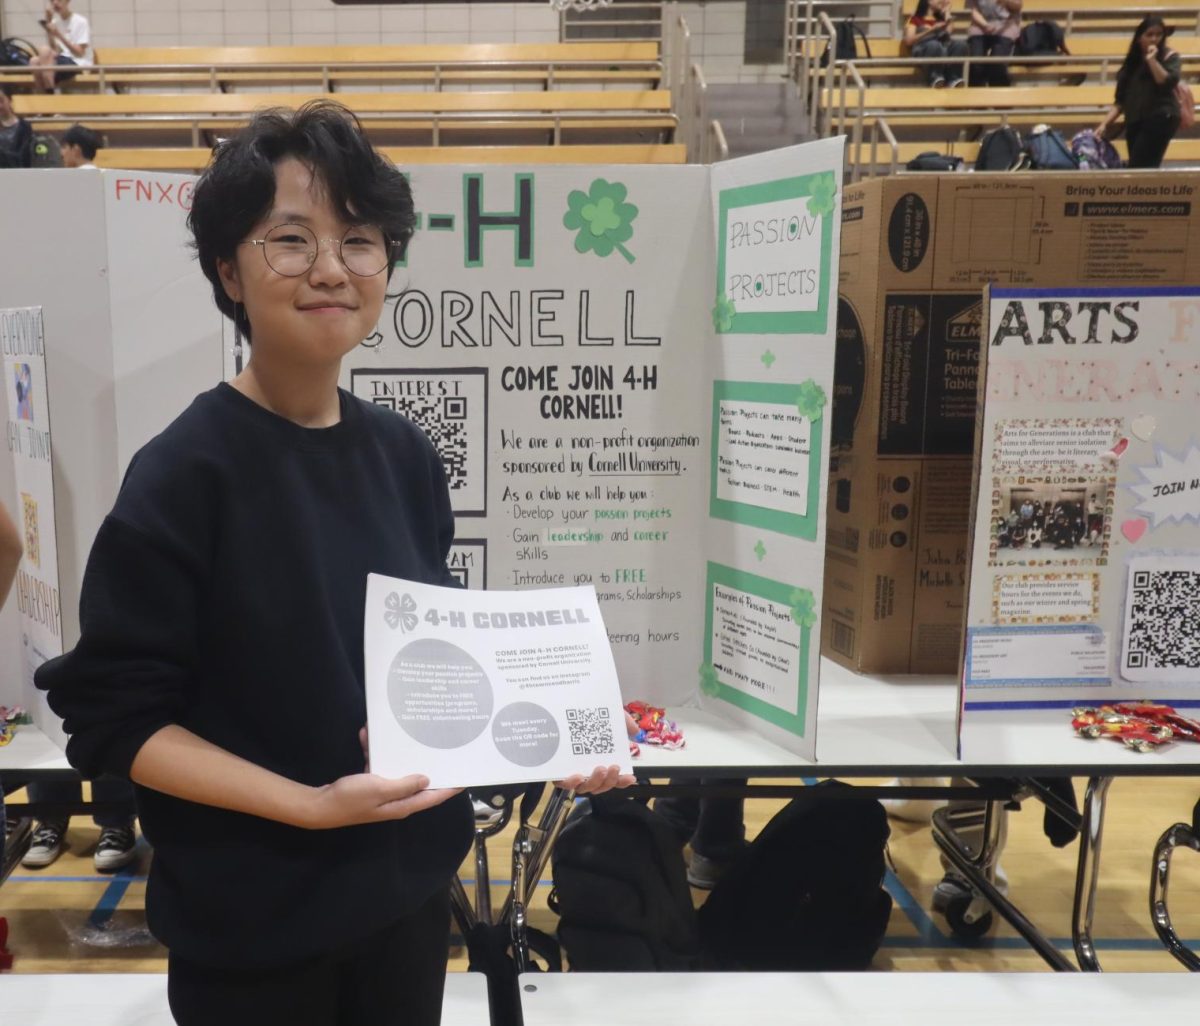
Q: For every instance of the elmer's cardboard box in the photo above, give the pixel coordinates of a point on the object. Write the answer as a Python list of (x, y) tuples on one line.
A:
[(916, 253)]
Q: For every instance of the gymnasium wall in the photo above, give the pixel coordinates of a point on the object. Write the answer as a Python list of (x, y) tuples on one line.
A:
[(718, 28)]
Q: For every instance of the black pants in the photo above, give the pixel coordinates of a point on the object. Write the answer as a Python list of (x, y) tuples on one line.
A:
[(393, 978), (1149, 138), (989, 46), (714, 826)]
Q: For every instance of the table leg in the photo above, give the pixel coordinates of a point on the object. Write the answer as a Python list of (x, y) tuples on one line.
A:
[(1087, 877), (1179, 835), (978, 868)]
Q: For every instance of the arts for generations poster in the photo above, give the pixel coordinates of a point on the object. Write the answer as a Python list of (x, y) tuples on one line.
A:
[(1084, 582)]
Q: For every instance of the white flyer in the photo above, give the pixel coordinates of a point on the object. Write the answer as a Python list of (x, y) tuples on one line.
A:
[(478, 688)]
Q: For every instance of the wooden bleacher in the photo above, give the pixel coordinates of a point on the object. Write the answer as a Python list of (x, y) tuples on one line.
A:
[(196, 159), (615, 115), (328, 68)]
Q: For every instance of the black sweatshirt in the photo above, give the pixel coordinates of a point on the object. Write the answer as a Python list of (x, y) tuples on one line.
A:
[(225, 593)]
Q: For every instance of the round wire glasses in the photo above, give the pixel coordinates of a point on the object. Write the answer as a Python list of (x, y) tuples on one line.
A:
[(291, 249)]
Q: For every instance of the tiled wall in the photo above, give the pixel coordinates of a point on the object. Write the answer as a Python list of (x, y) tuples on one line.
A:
[(718, 28)]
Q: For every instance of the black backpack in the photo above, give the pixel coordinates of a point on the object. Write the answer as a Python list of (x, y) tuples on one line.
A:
[(621, 890), (931, 160), (1001, 150), (15, 52), (807, 894), (845, 41), (1041, 39), (1049, 151)]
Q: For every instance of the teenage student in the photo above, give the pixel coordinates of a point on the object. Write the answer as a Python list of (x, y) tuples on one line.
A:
[(929, 34), (1146, 94), (220, 659)]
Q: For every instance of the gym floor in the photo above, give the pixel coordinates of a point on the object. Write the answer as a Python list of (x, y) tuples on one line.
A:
[(69, 918)]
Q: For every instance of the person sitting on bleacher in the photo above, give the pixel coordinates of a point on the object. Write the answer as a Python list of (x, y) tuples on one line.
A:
[(80, 146), (1146, 94), (68, 44), (927, 35), (16, 137), (995, 27)]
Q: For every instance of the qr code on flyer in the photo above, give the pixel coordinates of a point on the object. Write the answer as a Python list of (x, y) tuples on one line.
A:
[(1162, 608), (590, 731), (450, 406)]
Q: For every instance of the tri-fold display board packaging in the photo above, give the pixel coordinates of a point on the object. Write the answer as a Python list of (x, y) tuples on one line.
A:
[(917, 252)]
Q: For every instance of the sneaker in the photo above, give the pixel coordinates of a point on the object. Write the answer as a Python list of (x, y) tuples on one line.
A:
[(49, 842), (704, 872), (117, 849), (938, 83), (957, 83)]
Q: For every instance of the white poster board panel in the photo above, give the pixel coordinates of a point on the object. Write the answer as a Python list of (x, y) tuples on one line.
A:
[(131, 336), (549, 332), (1085, 564), (777, 224)]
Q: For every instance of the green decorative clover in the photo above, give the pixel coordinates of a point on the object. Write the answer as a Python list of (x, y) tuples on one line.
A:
[(824, 193), (602, 218), (804, 607), (709, 684), (810, 400), (768, 358), (760, 550), (723, 313)]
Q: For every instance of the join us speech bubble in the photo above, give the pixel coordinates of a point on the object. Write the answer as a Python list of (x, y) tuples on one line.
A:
[(1170, 490)]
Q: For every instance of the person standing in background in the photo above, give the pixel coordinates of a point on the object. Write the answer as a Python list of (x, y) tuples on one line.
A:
[(68, 44), (995, 27), (1146, 94), (16, 137)]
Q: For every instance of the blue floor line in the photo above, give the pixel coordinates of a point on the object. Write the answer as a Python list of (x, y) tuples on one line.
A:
[(111, 898), (927, 929), (98, 878)]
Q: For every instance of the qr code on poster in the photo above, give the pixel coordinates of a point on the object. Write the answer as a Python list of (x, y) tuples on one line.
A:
[(1162, 608), (450, 406), (591, 731)]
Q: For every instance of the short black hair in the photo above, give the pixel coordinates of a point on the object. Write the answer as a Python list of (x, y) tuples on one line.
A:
[(237, 188), (88, 141)]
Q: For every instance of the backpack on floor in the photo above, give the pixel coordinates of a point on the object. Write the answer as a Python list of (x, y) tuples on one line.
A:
[(1041, 39), (1001, 150), (1093, 152), (808, 893), (931, 160), (846, 35), (1048, 151), (621, 890)]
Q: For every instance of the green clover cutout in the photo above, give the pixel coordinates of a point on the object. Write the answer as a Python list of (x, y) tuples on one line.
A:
[(723, 313), (602, 219), (709, 684), (824, 193), (810, 400), (803, 607)]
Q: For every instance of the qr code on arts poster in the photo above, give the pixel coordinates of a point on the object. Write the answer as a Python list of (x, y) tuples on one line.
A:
[(591, 731), (1162, 608), (450, 406)]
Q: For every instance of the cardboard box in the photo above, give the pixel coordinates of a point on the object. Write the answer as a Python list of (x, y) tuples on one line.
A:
[(916, 252)]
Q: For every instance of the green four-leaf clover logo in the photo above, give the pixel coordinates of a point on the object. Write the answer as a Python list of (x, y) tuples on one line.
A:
[(810, 400), (723, 313), (601, 218), (804, 607), (709, 684), (824, 193)]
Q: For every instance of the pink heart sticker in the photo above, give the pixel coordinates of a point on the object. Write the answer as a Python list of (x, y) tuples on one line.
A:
[(1134, 529)]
